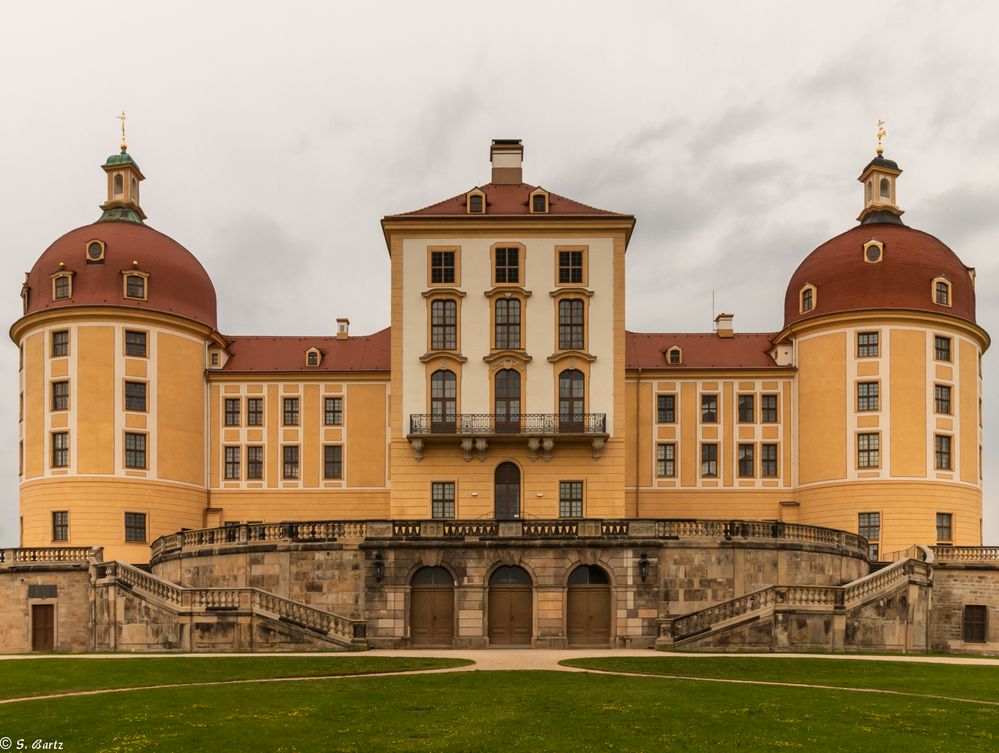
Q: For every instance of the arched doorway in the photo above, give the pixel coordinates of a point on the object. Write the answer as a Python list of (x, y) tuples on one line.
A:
[(507, 401), (511, 607), (588, 608), (507, 491), (431, 607)]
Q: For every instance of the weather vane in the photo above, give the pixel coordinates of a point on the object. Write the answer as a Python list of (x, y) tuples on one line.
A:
[(881, 134), (124, 145)]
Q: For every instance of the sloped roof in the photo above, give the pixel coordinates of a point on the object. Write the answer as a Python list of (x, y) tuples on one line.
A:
[(282, 354), (701, 350), (508, 200)]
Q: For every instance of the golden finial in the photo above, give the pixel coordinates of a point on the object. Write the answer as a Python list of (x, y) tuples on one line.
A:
[(881, 134), (124, 145)]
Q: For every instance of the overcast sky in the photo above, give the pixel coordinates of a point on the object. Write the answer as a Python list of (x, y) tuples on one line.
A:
[(274, 137)]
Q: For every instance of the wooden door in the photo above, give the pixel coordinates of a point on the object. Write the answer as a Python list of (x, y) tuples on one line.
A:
[(588, 616), (511, 616), (432, 616), (42, 627)]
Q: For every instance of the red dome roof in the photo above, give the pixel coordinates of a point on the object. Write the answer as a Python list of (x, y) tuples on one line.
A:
[(901, 280), (177, 283)]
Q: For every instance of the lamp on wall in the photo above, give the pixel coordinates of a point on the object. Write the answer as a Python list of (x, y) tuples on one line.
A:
[(643, 566), (379, 567)]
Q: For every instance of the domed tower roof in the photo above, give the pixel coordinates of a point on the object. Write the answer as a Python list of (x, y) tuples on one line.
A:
[(880, 264), (102, 259)]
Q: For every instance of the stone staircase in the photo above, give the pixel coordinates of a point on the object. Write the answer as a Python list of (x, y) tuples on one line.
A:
[(202, 606), (767, 619)]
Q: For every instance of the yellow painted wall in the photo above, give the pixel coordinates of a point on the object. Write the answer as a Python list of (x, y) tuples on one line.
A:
[(822, 401), (967, 440), (180, 397), (366, 421), (34, 405), (908, 403), (95, 357), (306, 504)]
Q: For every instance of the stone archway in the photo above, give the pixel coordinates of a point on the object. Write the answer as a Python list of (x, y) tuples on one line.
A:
[(511, 607), (588, 607), (431, 608)]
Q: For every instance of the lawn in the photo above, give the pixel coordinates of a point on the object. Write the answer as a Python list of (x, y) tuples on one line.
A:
[(952, 680), (502, 711), (23, 677)]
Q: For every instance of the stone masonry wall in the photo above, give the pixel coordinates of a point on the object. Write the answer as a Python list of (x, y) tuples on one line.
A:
[(956, 585), (72, 600)]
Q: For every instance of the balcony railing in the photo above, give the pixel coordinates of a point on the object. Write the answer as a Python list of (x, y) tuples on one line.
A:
[(492, 424)]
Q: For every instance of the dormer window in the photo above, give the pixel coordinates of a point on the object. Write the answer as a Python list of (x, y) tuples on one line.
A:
[(539, 201), (62, 286), (674, 356), (807, 299), (476, 202), (873, 252), (95, 252), (313, 357), (135, 285), (941, 291), (215, 359)]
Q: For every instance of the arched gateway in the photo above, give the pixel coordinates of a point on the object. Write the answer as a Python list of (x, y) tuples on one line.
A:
[(431, 608), (588, 607), (511, 607)]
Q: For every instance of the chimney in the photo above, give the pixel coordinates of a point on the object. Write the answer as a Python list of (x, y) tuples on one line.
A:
[(342, 328), (723, 326), (507, 156)]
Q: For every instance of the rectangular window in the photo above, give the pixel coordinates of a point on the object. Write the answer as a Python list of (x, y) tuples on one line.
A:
[(62, 287), (747, 409), (60, 525), (290, 455), (135, 344), (135, 450), (333, 411), (571, 324), (867, 396), (507, 265), (709, 409), (507, 316), (570, 499), (570, 267), (666, 460), (943, 293), (333, 461), (254, 463), (942, 452), (869, 525), (872, 551), (135, 286), (442, 499), (232, 407), (868, 344), (135, 526), (291, 411), (768, 409), (768, 460), (254, 411), (747, 461), (442, 267), (232, 462), (60, 449), (135, 396), (976, 618), (941, 398), (60, 343), (941, 348), (443, 324), (60, 395), (666, 409), (709, 460), (869, 450), (945, 527)]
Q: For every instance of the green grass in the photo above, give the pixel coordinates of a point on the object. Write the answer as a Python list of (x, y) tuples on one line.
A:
[(500, 711), (952, 680), (25, 677)]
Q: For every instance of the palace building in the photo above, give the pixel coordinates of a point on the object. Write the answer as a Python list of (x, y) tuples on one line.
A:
[(506, 400)]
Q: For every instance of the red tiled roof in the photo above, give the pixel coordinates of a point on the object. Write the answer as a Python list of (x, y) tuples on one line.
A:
[(178, 284), (901, 280), (507, 200), (280, 354), (700, 350)]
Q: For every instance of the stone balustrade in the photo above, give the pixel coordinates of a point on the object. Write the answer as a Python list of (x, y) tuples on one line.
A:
[(965, 553), (50, 555)]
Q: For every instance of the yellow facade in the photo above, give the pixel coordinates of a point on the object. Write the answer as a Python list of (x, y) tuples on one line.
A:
[(845, 433)]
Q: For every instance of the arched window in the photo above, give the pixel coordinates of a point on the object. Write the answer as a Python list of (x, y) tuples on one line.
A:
[(508, 323), (870, 189), (444, 324), (571, 324), (885, 188), (589, 575), (507, 400), (674, 356), (509, 575), (941, 292), (119, 185), (443, 401), (506, 491), (135, 190), (432, 576), (571, 400), (807, 299)]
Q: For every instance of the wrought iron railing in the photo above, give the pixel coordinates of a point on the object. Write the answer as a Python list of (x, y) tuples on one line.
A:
[(476, 424)]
